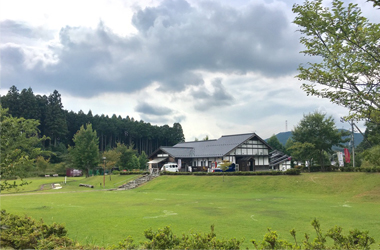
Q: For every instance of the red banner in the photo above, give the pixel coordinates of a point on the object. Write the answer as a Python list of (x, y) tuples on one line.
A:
[(347, 156)]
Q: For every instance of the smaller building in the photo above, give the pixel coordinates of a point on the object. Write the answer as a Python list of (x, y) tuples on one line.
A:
[(248, 151), (279, 161)]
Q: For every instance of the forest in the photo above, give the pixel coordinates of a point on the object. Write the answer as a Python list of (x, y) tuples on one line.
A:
[(60, 125)]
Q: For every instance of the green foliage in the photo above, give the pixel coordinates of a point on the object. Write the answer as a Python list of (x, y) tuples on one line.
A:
[(143, 160), (354, 240), (61, 125), (314, 136), (165, 239), (275, 143), (26, 233), (162, 239), (293, 171), (20, 146), (110, 158), (372, 155), (126, 244), (85, 153), (55, 119), (128, 157), (348, 47), (287, 172), (42, 164)]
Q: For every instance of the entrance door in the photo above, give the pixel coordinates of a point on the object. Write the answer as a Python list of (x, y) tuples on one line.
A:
[(251, 165)]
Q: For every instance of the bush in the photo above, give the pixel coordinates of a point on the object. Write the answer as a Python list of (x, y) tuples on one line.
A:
[(354, 240), (26, 233), (165, 239), (115, 172), (293, 171)]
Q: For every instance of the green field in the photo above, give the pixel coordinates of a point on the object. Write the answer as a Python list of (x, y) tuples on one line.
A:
[(241, 206)]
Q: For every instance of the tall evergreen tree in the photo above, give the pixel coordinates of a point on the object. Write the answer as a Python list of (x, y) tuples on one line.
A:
[(11, 101), (56, 125), (29, 105)]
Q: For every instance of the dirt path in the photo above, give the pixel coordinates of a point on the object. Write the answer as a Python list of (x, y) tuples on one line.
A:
[(39, 193)]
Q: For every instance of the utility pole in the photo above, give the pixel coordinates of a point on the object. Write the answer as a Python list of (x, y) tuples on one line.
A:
[(353, 143)]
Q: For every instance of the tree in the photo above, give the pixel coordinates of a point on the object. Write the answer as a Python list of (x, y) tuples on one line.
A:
[(143, 160), (56, 124), (275, 143), (347, 47), (85, 153), (303, 152), (42, 164), (289, 143), (315, 135), (112, 157), (372, 155), (127, 157), (20, 145)]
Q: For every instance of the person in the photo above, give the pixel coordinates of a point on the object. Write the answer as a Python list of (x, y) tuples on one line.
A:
[(190, 169)]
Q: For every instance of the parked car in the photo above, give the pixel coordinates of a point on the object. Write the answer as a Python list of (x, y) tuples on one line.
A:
[(170, 167)]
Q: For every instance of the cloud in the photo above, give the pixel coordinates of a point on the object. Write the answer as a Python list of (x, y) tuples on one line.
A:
[(149, 109), (20, 32), (174, 40), (205, 100)]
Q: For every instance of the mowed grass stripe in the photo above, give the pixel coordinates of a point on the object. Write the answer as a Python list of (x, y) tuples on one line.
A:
[(241, 206)]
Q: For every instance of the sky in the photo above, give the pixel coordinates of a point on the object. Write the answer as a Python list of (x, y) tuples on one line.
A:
[(216, 67)]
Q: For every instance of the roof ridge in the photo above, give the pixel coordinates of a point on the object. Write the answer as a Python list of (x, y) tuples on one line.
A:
[(252, 133)]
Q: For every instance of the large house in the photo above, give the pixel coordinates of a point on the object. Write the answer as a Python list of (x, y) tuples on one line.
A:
[(248, 151)]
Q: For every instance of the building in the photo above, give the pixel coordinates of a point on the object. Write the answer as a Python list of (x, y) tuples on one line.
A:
[(248, 151), (279, 161)]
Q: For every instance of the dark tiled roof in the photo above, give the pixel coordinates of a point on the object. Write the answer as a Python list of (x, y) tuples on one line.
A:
[(178, 151), (209, 148)]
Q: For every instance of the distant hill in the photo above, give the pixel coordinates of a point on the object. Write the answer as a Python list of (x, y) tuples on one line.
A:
[(284, 136)]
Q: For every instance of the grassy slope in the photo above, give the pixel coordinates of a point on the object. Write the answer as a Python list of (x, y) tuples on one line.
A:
[(241, 207), (72, 183)]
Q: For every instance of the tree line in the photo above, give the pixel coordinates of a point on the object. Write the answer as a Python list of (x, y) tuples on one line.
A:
[(60, 125)]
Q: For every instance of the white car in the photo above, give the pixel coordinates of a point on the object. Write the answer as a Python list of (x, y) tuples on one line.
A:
[(170, 167)]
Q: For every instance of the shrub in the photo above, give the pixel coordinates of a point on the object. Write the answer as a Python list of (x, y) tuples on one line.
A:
[(165, 239), (354, 240), (115, 172), (293, 171), (26, 233)]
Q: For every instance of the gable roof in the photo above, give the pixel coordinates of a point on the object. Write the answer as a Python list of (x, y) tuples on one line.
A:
[(210, 148)]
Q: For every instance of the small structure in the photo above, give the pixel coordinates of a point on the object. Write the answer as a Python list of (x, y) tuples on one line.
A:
[(279, 160), (248, 151), (56, 186)]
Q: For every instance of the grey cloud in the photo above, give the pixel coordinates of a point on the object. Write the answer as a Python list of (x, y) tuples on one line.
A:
[(204, 100), (149, 109), (174, 41), (20, 32), (162, 119)]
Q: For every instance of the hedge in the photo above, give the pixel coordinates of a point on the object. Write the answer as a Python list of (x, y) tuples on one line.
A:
[(291, 171)]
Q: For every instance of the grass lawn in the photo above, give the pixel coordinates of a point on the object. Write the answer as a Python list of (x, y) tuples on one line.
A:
[(241, 206)]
